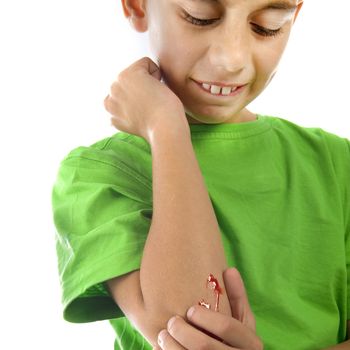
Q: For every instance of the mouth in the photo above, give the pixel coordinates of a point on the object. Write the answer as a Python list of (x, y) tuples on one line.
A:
[(220, 89)]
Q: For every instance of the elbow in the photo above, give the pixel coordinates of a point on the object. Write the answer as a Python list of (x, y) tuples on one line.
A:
[(156, 315), (150, 325), (156, 318)]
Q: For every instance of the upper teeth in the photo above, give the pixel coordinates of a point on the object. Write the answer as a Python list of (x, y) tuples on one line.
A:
[(216, 90)]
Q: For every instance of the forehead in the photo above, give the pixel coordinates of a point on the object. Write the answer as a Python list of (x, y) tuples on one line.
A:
[(286, 5)]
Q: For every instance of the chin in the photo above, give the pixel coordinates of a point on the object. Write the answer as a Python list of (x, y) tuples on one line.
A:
[(213, 117), (204, 119)]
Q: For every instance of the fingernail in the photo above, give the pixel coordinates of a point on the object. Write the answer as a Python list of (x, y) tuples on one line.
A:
[(171, 322), (190, 312), (161, 337)]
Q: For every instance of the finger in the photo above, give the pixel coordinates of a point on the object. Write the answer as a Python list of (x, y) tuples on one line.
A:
[(192, 338), (230, 330), (148, 66), (152, 67), (237, 295), (110, 105), (167, 342)]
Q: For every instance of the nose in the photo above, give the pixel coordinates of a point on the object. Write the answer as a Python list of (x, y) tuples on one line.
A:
[(230, 47)]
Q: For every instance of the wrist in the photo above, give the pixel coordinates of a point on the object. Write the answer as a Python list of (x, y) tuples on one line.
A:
[(169, 130)]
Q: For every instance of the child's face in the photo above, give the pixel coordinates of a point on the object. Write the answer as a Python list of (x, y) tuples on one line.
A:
[(242, 46)]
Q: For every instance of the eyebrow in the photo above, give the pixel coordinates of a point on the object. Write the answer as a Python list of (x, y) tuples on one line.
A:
[(272, 5), (279, 5)]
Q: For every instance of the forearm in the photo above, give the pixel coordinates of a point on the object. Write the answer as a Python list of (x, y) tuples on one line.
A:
[(342, 346), (184, 242)]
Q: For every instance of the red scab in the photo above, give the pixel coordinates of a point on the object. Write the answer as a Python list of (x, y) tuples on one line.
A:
[(213, 284), (203, 303)]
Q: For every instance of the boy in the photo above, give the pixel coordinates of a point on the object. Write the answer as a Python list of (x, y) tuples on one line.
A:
[(195, 182)]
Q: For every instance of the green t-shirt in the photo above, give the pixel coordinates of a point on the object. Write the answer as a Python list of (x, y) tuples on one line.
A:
[(281, 195)]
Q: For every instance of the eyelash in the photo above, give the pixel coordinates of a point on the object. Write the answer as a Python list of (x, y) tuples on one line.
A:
[(258, 29)]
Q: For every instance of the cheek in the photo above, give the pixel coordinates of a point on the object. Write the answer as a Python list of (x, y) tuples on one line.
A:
[(176, 57), (168, 41), (267, 58), (268, 62)]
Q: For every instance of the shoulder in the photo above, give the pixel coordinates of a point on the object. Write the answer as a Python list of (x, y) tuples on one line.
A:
[(113, 149), (315, 137), (121, 153), (315, 144)]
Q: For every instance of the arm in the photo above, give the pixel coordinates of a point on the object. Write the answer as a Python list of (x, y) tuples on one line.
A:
[(342, 346), (183, 245), (345, 345), (237, 332)]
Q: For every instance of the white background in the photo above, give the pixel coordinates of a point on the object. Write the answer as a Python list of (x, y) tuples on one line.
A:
[(57, 61)]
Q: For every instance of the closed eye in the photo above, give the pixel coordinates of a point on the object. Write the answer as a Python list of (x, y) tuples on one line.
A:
[(260, 30), (266, 31), (198, 21)]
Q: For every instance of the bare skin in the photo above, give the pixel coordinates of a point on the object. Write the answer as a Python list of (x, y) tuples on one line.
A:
[(184, 240), (231, 50), (188, 249)]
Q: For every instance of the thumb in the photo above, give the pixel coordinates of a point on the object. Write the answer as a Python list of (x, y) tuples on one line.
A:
[(238, 298), (153, 69), (146, 65)]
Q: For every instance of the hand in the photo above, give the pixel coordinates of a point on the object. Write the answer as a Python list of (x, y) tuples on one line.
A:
[(139, 102), (236, 333)]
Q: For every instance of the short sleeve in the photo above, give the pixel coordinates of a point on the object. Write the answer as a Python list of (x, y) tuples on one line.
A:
[(347, 221), (102, 214)]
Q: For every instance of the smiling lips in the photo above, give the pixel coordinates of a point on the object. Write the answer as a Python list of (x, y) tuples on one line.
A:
[(220, 89)]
